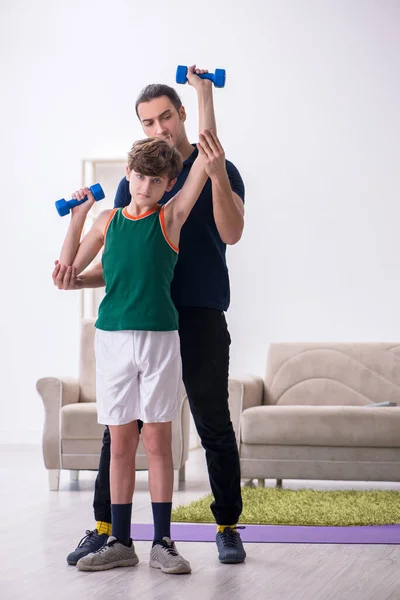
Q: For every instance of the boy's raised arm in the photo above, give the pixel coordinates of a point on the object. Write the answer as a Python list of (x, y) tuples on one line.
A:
[(178, 208), (205, 100)]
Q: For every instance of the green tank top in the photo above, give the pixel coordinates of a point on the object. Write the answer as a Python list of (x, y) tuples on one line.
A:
[(138, 267)]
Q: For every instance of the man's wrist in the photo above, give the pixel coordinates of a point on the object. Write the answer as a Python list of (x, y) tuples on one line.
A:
[(92, 278), (220, 178)]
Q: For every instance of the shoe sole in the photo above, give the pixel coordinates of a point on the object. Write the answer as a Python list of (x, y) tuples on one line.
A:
[(120, 563), (231, 561), (180, 570), (74, 561)]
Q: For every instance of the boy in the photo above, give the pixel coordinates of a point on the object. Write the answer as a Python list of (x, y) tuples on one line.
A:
[(137, 343)]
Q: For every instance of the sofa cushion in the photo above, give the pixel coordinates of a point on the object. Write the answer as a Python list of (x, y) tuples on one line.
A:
[(79, 422), (332, 373), (322, 426)]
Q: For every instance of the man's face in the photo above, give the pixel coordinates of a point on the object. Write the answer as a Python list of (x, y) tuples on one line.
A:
[(160, 119)]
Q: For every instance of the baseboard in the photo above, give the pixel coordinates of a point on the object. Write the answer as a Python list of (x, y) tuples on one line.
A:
[(20, 436)]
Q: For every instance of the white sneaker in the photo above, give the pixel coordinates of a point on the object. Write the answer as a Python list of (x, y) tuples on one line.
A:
[(166, 557), (113, 554)]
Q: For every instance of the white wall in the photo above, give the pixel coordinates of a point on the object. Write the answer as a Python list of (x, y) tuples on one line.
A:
[(310, 115)]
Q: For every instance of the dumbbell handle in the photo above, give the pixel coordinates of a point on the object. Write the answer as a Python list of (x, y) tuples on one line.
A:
[(73, 203), (209, 76)]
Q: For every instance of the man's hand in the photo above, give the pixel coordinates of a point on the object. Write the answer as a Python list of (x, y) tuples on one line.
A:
[(197, 82), (228, 208), (212, 153), (65, 278)]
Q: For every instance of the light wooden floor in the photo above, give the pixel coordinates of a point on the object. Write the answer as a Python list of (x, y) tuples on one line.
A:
[(39, 528)]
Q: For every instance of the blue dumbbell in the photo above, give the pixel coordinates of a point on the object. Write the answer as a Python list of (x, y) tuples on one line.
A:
[(218, 78), (64, 206)]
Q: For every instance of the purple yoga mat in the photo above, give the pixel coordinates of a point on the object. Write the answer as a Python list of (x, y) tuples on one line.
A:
[(284, 534)]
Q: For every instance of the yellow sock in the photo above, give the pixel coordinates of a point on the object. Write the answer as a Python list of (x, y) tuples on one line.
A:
[(220, 528), (103, 527)]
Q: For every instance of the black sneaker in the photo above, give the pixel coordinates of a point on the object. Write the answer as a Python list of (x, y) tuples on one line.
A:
[(90, 542), (230, 546)]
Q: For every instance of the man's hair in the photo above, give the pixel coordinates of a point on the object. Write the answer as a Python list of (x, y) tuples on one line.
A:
[(155, 158), (156, 90)]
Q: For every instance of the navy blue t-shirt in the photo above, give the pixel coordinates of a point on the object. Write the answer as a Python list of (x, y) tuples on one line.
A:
[(201, 275)]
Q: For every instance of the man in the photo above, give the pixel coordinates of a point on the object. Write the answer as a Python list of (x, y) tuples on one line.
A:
[(200, 291)]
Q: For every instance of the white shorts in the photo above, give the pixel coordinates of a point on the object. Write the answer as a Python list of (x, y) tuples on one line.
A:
[(138, 376)]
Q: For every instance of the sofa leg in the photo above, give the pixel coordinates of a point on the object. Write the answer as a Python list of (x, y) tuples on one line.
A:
[(261, 483), (182, 473), (74, 475), (279, 483), (176, 480), (248, 483), (54, 479)]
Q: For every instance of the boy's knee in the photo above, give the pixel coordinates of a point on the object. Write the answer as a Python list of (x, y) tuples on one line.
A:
[(157, 441), (124, 449)]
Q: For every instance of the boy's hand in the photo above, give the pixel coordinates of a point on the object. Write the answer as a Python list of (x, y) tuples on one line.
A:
[(65, 278), (86, 206), (197, 82), (212, 153)]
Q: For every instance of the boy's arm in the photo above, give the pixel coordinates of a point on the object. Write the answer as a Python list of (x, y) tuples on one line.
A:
[(91, 244), (228, 207), (66, 278), (205, 100), (177, 210), (76, 253)]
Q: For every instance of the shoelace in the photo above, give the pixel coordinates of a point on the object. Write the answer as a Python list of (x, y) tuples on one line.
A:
[(104, 548), (170, 549), (229, 536), (86, 538)]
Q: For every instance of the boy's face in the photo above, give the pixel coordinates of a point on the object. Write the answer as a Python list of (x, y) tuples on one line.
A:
[(160, 119), (147, 190)]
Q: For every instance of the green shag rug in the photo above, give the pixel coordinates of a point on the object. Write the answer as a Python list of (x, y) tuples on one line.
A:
[(275, 506)]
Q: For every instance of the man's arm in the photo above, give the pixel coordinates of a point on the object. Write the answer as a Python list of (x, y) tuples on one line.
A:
[(93, 277), (228, 208), (122, 196)]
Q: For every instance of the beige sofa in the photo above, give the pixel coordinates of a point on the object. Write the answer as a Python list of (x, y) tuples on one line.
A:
[(311, 417), (71, 435)]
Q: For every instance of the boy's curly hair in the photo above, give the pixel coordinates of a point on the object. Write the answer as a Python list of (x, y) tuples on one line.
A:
[(155, 157)]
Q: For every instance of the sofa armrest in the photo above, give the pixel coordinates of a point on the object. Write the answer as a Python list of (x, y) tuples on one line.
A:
[(55, 392), (185, 426), (244, 392), (180, 431)]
